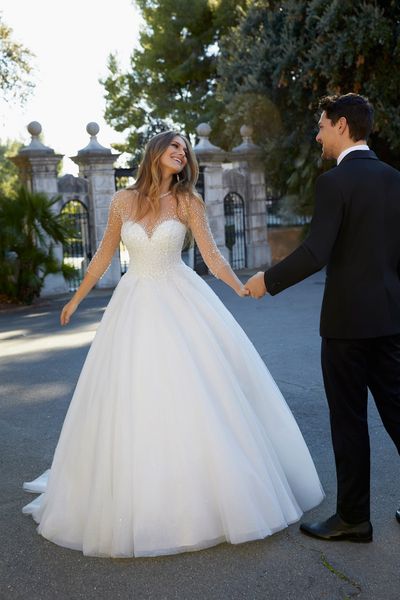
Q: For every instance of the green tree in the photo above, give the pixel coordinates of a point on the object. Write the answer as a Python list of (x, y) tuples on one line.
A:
[(15, 67), (283, 56), (29, 229), (173, 75), (8, 171)]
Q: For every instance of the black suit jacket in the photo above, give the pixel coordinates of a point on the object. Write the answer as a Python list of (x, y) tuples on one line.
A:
[(355, 231)]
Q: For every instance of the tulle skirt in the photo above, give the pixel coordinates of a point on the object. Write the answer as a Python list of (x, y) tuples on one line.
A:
[(177, 437)]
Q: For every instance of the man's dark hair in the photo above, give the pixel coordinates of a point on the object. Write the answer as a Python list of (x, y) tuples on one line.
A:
[(356, 109)]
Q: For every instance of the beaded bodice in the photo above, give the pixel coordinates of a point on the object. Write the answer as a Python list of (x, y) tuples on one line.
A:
[(154, 248), (156, 254)]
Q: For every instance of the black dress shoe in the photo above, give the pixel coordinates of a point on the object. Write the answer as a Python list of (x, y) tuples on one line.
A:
[(398, 514), (335, 529)]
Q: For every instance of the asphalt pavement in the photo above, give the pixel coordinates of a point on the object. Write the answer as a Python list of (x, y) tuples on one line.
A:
[(39, 366)]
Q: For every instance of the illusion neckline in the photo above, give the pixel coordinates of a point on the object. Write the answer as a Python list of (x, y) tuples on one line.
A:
[(156, 226)]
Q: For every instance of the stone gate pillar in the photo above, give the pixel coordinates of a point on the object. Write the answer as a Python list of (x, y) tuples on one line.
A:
[(246, 158), (96, 165), (37, 165), (210, 160)]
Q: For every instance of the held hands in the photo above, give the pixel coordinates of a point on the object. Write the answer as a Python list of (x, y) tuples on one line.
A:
[(67, 312), (242, 291), (256, 285)]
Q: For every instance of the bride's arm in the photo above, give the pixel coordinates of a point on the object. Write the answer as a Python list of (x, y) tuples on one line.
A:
[(216, 263), (100, 261)]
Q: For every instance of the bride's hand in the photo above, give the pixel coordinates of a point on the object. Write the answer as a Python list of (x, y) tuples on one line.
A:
[(243, 292), (67, 312)]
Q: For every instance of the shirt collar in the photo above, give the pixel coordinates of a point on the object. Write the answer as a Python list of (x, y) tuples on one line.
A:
[(351, 149)]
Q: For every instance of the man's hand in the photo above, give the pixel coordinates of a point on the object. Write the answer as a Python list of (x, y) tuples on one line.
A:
[(256, 285)]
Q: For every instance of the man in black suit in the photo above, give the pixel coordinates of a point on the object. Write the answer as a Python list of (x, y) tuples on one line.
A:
[(355, 231)]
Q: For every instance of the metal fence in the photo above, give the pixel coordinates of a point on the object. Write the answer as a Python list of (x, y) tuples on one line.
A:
[(76, 250), (235, 231), (278, 218)]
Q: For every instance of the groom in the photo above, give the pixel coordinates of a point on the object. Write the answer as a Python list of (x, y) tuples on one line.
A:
[(355, 231)]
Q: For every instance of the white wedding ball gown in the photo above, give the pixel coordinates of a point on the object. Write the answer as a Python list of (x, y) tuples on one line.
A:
[(177, 437)]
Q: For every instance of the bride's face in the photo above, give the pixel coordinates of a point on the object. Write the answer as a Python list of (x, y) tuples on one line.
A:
[(174, 158)]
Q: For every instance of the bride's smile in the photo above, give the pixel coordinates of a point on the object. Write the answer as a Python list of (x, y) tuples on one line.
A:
[(174, 158)]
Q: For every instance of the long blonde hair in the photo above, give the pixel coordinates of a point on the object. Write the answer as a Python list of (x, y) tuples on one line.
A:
[(149, 176)]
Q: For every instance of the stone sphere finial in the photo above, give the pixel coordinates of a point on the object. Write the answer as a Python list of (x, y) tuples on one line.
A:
[(34, 128), (92, 128), (246, 131), (203, 130), (94, 147), (204, 146), (36, 147), (247, 146)]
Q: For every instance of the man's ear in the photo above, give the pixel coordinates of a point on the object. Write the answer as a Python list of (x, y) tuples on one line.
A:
[(342, 125)]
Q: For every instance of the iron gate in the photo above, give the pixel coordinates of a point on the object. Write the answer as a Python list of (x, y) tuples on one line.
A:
[(235, 231), (77, 249)]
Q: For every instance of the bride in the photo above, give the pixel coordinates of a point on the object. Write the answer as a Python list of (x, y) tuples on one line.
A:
[(177, 438)]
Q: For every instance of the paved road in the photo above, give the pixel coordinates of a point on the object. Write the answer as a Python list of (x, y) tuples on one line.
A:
[(39, 367)]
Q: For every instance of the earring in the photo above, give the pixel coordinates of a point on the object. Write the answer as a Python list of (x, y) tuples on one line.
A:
[(177, 177)]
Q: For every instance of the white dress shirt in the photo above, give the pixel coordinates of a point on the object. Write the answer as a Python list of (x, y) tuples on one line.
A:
[(348, 150)]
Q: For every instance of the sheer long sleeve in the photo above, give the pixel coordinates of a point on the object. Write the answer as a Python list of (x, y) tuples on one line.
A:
[(216, 263), (110, 241), (199, 226)]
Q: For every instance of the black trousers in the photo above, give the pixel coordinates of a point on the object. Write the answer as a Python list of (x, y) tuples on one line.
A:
[(349, 368)]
